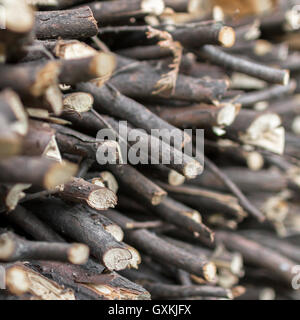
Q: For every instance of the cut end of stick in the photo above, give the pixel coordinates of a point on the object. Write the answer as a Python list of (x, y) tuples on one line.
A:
[(46, 77), (74, 50), (237, 264), (109, 181), (102, 199), (175, 178), (7, 246), (79, 102), (210, 271), (15, 194), (59, 173), (103, 64), (78, 253), (266, 132), (136, 258), (292, 20), (227, 37), (192, 170), (17, 281), (255, 161), (158, 197), (117, 259)]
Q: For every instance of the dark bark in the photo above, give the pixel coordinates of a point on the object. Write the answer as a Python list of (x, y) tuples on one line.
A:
[(15, 248), (144, 83), (253, 69), (33, 226), (111, 101), (67, 24), (259, 256), (40, 172), (160, 249), (132, 179), (77, 223)]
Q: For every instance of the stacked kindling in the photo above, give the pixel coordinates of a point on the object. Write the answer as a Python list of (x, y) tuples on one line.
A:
[(220, 222)]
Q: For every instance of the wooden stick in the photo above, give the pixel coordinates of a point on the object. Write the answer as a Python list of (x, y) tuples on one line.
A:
[(164, 174), (80, 70), (89, 282), (58, 4), (260, 256), (136, 182), (186, 88), (67, 24), (50, 100), (235, 190), (200, 115), (16, 279), (41, 172), (14, 248), (77, 222), (272, 93), (205, 199), (267, 239), (182, 216), (194, 36), (247, 180), (115, 12), (73, 142), (151, 244), (251, 68), (40, 141), (258, 129), (104, 97)]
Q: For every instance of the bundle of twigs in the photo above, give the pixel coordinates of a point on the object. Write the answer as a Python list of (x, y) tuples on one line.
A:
[(223, 224)]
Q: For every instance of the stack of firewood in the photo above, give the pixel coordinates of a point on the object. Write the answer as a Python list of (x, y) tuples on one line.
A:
[(223, 224)]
